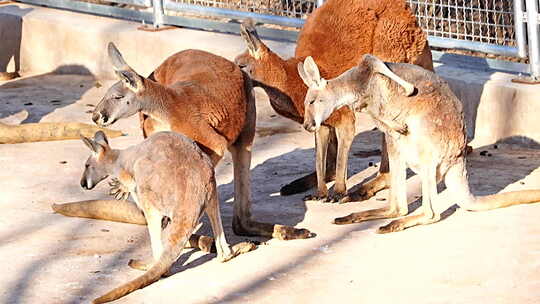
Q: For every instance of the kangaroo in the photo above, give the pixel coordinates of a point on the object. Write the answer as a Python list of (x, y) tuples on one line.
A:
[(425, 130), (172, 181), (209, 100), (337, 34)]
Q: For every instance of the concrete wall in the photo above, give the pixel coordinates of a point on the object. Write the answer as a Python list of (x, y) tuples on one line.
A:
[(40, 40)]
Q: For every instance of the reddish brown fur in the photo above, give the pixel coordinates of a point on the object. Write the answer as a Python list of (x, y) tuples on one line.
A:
[(197, 79), (336, 35)]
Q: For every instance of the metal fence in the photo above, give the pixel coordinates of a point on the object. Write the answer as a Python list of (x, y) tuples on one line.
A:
[(502, 27)]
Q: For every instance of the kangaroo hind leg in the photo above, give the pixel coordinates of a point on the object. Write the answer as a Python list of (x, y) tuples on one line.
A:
[(427, 214)]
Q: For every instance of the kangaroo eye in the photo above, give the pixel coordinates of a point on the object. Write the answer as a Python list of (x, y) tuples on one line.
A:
[(312, 101), (118, 97)]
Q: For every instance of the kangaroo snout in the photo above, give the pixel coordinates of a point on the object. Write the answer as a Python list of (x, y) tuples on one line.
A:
[(310, 126), (85, 185), (100, 118)]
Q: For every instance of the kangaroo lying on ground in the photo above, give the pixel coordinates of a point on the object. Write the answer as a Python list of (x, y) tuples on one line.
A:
[(425, 130), (206, 98), (336, 34), (173, 183)]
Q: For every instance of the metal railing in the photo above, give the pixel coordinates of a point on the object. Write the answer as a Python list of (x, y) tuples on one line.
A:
[(502, 27)]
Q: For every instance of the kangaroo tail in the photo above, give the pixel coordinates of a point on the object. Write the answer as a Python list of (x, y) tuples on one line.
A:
[(176, 241), (501, 200), (168, 257), (109, 210), (458, 184)]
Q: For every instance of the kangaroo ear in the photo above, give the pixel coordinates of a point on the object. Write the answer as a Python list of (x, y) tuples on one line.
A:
[(124, 72), (309, 72), (249, 33), (101, 139), (93, 146), (116, 58), (131, 80)]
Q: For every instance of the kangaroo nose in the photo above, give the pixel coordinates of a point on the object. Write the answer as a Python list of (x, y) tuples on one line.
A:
[(83, 184), (309, 126), (99, 118)]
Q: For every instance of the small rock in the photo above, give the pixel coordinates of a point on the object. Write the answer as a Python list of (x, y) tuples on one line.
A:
[(98, 84), (105, 230), (495, 147), (81, 86), (55, 101), (522, 183), (28, 104), (370, 164), (489, 155), (483, 153), (380, 199), (273, 115), (63, 162), (522, 157)]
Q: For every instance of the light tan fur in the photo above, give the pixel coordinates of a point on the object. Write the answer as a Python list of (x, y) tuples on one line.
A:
[(337, 34), (425, 130), (173, 183), (209, 100)]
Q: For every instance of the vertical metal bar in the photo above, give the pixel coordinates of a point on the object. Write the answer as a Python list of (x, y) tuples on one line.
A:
[(532, 27), (158, 13), (519, 28)]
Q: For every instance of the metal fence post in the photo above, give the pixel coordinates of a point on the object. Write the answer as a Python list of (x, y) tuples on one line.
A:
[(520, 28), (158, 13), (532, 26)]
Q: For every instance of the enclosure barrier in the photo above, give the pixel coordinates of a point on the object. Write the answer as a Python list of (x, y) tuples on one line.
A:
[(501, 27)]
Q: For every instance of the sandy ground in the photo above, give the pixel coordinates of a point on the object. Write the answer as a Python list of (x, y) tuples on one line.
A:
[(489, 257)]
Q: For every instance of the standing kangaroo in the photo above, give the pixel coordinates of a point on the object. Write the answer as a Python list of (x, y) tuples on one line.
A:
[(173, 183), (425, 129), (337, 34), (204, 97)]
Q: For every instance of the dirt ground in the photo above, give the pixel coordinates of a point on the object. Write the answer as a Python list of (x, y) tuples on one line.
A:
[(488, 257)]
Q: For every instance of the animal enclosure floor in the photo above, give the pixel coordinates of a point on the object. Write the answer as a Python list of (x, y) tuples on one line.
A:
[(485, 257)]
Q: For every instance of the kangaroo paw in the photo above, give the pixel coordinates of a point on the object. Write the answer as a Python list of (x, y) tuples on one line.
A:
[(118, 190)]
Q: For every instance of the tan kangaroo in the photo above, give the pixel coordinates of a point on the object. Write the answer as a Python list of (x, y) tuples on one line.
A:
[(173, 183), (206, 98), (425, 130), (336, 34)]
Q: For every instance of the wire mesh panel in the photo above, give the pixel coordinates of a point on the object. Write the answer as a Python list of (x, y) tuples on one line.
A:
[(486, 21), (286, 8)]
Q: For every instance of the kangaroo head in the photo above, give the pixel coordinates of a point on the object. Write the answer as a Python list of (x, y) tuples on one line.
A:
[(123, 98), (258, 60), (352, 87), (320, 93), (99, 165)]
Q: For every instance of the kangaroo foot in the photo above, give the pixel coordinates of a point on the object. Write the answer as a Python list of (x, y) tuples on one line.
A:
[(408, 221), (280, 232), (368, 215), (370, 188), (339, 197), (118, 190), (243, 247)]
